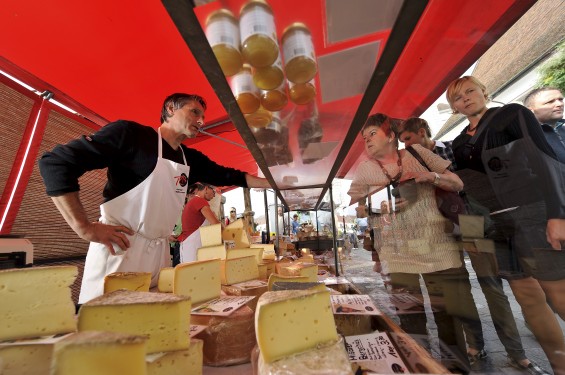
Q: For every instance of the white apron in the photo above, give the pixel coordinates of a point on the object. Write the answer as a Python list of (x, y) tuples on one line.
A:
[(190, 245), (151, 210)]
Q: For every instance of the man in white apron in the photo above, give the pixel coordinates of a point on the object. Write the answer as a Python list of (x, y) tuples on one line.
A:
[(147, 182)]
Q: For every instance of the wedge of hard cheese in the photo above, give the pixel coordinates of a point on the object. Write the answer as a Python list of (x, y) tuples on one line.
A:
[(25, 358), (237, 233), (164, 318), (273, 278), (137, 281), (211, 235), (328, 359), (165, 283), (309, 270), (244, 252), (291, 322), (199, 280), (95, 353), (179, 362), (211, 252), (36, 302), (238, 270)]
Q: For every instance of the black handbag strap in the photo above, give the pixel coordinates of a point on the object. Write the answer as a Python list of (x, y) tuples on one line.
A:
[(417, 156)]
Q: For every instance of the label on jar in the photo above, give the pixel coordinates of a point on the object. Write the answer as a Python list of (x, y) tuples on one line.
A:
[(257, 21), (299, 43), (223, 31), (243, 82)]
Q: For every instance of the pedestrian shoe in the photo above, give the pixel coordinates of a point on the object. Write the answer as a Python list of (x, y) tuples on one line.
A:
[(474, 358), (533, 368)]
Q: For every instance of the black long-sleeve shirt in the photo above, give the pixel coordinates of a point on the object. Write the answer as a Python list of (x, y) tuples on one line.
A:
[(129, 150)]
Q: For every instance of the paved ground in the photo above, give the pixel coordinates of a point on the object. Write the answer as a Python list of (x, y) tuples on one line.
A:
[(359, 269)]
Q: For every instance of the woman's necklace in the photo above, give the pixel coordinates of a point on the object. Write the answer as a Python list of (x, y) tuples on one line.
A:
[(392, 180)]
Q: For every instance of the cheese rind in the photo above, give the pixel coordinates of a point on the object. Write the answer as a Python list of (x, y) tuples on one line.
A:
[(25, 358), (211, 235), (199, 280), (165, 318), (256, 291), (291, 322), (273, 278), (92, 353), (238, 270), (166, 277), (211, 252), (179, 362), (36, 302), (228, 340), (136, 281), (331, 359)]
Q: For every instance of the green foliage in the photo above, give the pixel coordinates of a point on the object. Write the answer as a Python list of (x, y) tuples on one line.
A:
[(552, 73)]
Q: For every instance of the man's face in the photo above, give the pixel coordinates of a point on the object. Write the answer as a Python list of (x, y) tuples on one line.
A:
[(410, 138), (187, 120), (548, 106)]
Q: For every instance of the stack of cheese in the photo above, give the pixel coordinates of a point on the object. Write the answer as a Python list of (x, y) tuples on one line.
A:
[(296, 334), (163, 318)]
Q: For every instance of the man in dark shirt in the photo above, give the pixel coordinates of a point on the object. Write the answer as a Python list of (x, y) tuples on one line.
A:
[(547, 105), (148, 174)]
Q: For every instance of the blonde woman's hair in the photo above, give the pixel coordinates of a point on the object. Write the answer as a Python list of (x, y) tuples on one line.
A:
[(455, 87)]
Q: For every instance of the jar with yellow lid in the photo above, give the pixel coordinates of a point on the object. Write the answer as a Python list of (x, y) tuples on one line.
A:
[(244, 90), (259, 45), (269, 77), (222, 32), (259, 119), (302, 93), (274, 100), (298, 50)]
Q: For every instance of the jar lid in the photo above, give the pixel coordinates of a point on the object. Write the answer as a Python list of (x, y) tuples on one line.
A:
[(251, 3), (294, 26), (220, 13)]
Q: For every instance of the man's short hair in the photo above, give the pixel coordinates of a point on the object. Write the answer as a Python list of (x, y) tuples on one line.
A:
[(528, 100), (178, 100), (413, 124)]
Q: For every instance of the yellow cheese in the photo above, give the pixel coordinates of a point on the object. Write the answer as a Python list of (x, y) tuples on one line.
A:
[(306, 258), (270, 265), (237, 233), (263, 268), (286, 285), (238, 270), (228, 340), (211, 235), (199, 280), (254, 291), (165, 283), (165, 318), (284, 262), (330, 359), (36, 302), (139, 281), (211, 252), (268, 250), (179, 362), (294, 321), (273, 278), (301, 269), (238, 253), (25, 358), (94, 353)]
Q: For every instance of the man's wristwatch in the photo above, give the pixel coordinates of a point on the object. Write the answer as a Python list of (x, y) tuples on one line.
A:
[(436, 179)]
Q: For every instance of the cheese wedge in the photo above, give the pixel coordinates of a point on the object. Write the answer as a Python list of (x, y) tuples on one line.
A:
[(179, 362), (199, 280), (306, 258), (270, 268), (330, 359), (165, 283), (309, 270), (25, 358), (262, 271), (211, 235), (237, 233), (291, 322), (137, 281), (239, 290), (238, 270), (353, 325), (36, 302), (94, 353), (293, 279), (286, 285), (165, 318), (228, 340), (211, 252), (238, 253)]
